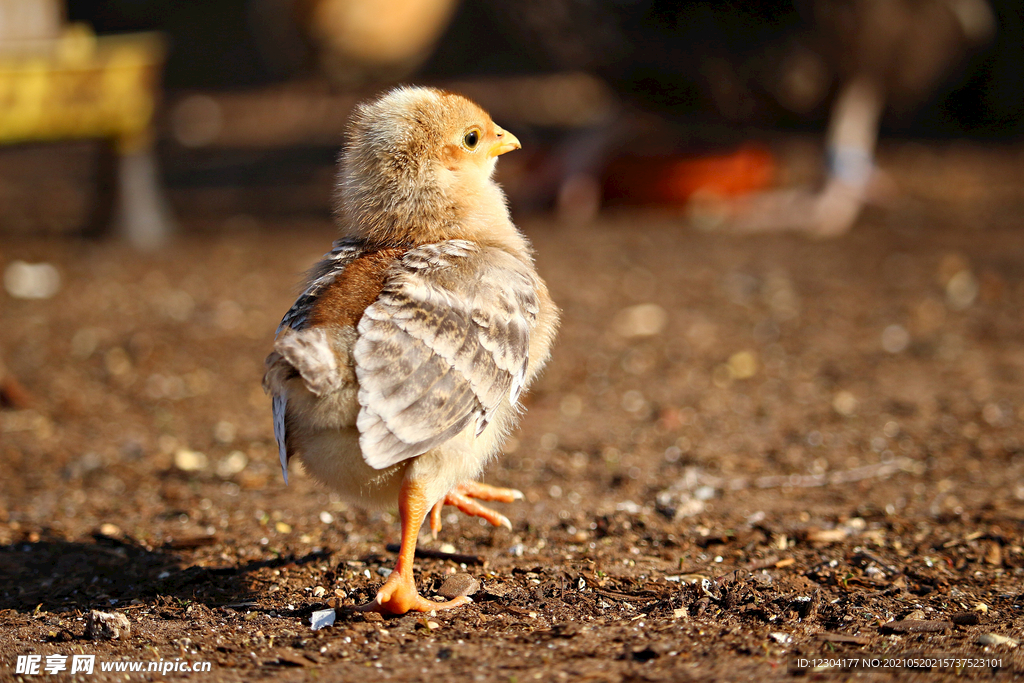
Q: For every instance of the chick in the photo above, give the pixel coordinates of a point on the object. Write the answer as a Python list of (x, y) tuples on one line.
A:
[(397, 373)]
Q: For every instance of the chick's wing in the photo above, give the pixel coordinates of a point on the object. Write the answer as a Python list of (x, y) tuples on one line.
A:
[(305, 349), (446, 341)]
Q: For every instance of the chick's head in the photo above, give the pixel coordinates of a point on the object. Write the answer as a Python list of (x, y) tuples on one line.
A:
[(416, 161)]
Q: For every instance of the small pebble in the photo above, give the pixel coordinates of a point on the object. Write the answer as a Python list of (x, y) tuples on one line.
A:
[(458, 585), (319, 591), (224, 432), (966, 618), (321, 619), (31, 280), (107, 626), (961, 290), (234, 463), (109, 530), (642, 320), (996, 639), (189, 460), (743, 364), (827, 535), (895, 339), (994, 554), (845, 403)]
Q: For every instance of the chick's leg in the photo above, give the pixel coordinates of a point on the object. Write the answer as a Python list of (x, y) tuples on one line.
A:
[(398, 594), (462, 497)]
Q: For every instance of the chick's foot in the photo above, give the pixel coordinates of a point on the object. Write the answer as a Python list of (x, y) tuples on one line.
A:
[(462, 497), (398, 595)]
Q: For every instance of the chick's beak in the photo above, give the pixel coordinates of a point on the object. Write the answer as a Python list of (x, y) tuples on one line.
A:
[(506, 142)]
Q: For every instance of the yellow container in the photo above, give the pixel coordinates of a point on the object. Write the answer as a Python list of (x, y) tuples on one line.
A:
[(81, 86)]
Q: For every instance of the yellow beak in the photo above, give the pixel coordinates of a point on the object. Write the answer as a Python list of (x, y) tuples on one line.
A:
[(506, 142)]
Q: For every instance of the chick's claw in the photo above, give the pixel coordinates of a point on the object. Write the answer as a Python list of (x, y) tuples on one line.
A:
[(398, 595), (462, 497), (480, 491)]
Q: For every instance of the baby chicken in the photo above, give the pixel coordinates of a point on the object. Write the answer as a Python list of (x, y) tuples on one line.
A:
[(397, 373)]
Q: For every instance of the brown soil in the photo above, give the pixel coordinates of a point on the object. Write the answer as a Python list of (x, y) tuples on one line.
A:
[(760, 480)]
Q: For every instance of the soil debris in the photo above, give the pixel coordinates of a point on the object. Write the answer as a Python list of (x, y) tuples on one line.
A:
[(107, 626)]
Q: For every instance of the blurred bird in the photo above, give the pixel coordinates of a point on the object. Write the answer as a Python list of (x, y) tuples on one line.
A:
[(397, 373), (706, 64)]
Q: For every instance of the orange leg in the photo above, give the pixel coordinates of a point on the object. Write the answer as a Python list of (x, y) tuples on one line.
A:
[(462, 497), (398, 594)]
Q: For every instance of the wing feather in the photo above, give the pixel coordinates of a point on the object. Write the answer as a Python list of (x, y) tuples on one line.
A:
[(280, 406), (342, 253), (467, 312), (295, 349)]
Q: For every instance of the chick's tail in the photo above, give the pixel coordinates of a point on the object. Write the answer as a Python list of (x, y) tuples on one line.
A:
[(280, 404)]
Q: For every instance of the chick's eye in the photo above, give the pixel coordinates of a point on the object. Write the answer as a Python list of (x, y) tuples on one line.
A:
[(471, 139)]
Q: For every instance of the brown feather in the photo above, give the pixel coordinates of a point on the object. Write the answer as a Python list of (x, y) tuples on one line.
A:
[(343, 301)]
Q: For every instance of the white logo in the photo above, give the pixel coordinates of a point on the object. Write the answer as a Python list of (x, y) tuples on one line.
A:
[(82, 663), (28, 664), (56, 663)]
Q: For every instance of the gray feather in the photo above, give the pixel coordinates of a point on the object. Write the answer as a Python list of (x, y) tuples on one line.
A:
[(444, 344), (311, 353), (280, 405)]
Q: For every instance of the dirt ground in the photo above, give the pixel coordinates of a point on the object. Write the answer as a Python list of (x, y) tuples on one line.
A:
[(745, 451)]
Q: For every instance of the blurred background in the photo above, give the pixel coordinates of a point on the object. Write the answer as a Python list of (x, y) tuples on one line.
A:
[(237, 108), (786, 237)]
